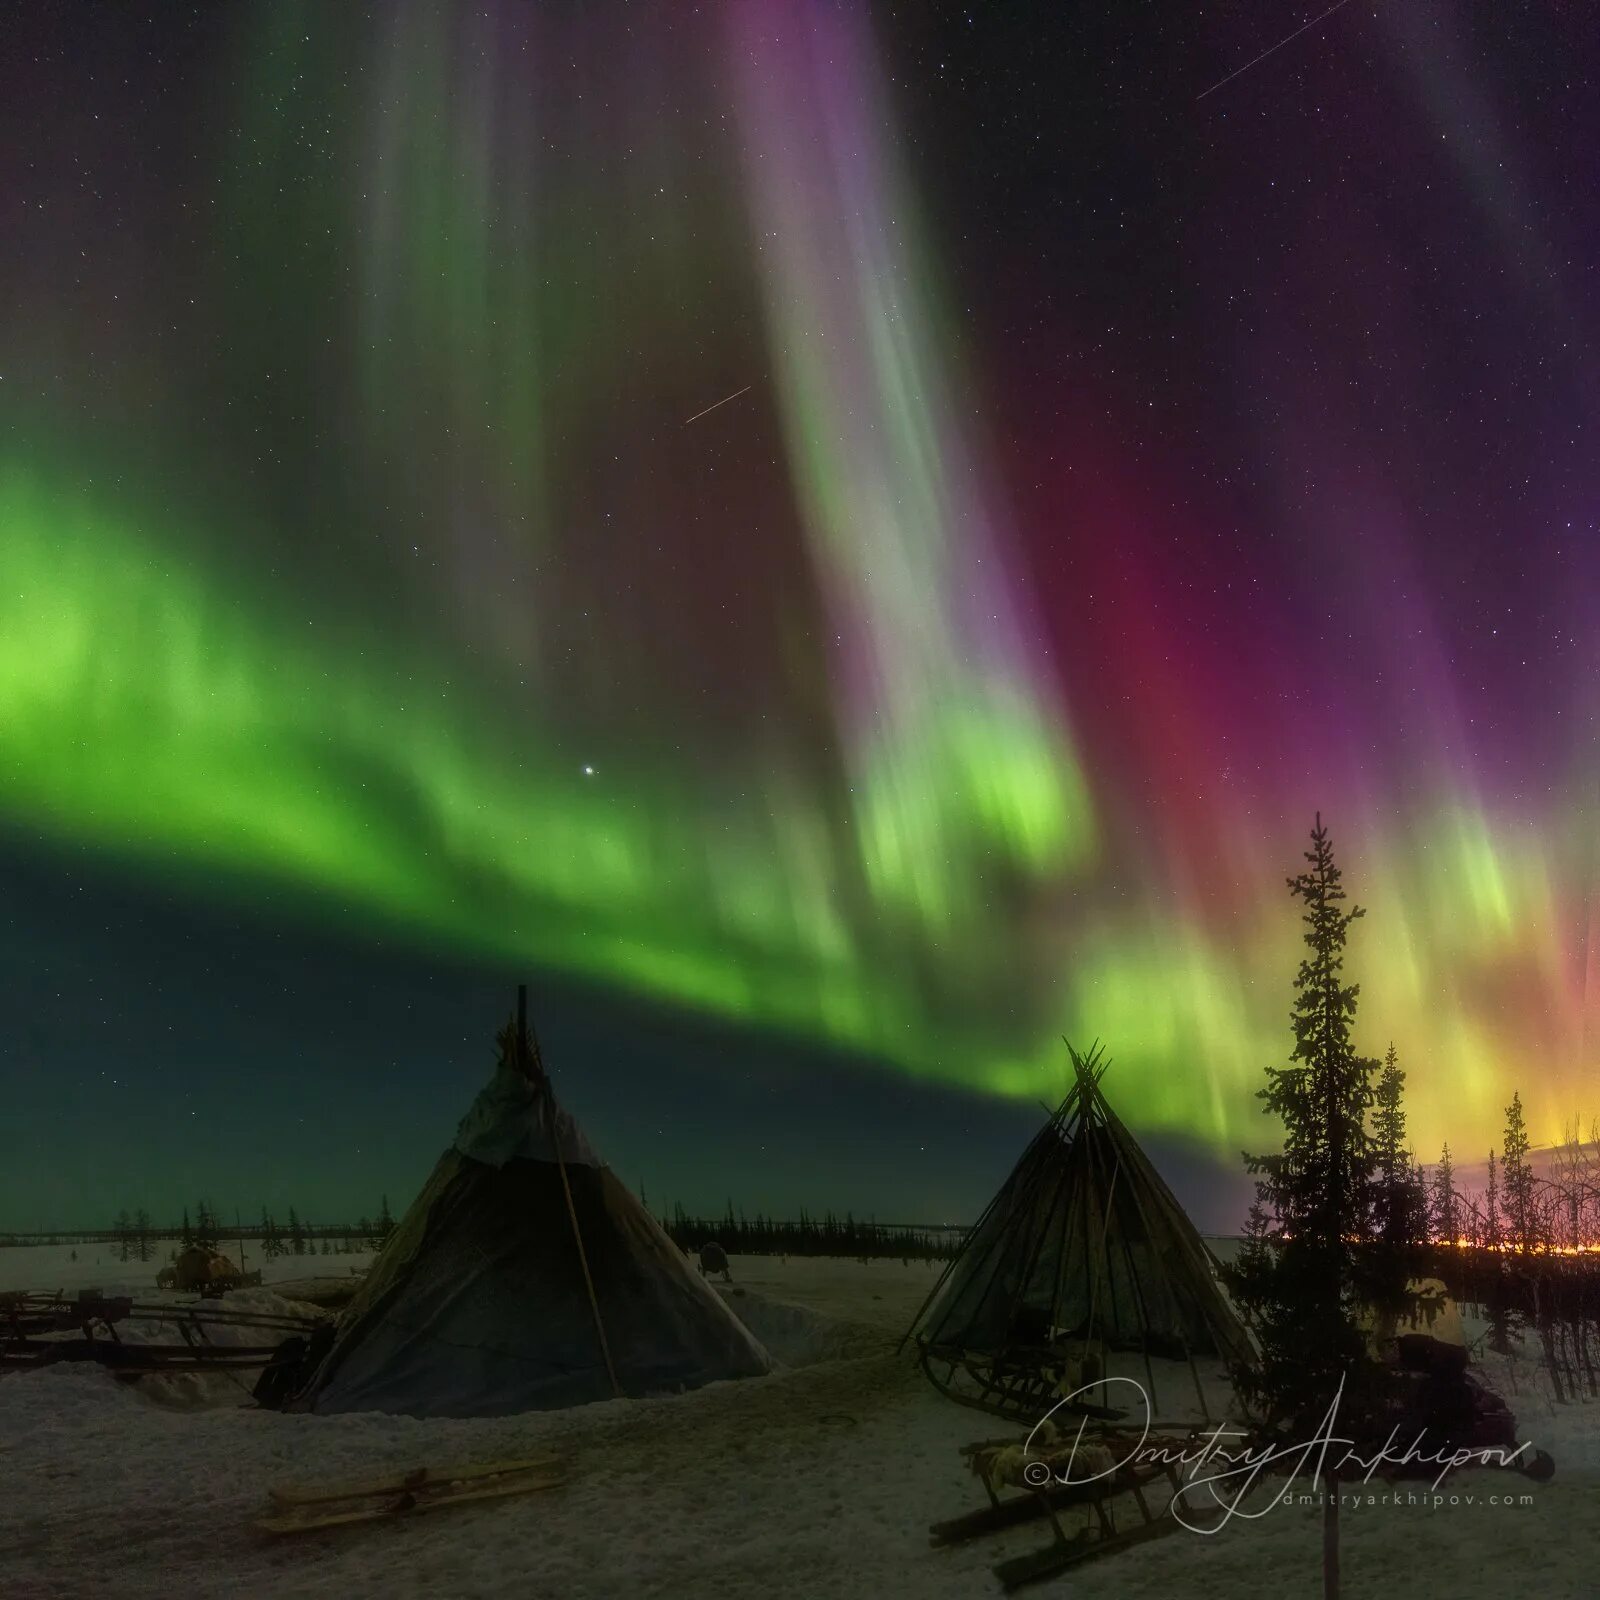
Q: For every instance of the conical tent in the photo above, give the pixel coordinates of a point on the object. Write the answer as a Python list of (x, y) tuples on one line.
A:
[(525, 1277), (1084, 1251)]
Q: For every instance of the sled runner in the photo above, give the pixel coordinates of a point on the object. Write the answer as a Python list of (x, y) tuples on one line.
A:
[(1021, 1386), (1120, 1493)]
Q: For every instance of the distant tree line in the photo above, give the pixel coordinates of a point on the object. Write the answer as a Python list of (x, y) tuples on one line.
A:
[(134, 1235), (828, 1235), (1526, 1248)]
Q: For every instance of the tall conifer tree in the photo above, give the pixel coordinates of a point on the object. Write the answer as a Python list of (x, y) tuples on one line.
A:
[(1304, 1291)]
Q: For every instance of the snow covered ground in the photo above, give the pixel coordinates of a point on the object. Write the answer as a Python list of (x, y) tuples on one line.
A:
[(818, 1483)]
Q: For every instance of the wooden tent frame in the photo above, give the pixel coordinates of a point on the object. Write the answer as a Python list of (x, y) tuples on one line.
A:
[(1020, 1378)]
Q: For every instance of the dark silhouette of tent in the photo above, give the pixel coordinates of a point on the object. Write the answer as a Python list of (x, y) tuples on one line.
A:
[(1083, 1252), (525, 1277)]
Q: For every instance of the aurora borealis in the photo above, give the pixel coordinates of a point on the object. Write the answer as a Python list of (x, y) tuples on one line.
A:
[(1120, 480)]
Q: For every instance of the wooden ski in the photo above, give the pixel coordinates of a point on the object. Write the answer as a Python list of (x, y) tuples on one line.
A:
[(406, 1503), (297, 1494)]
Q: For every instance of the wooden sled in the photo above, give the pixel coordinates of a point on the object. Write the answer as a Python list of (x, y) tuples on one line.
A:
[(302, 1508), (1016, 1387), (29, 1325), (1103, 1538), (130, 1361)]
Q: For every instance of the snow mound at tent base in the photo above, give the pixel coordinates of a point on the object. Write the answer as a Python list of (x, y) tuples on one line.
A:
[(797, 1336)]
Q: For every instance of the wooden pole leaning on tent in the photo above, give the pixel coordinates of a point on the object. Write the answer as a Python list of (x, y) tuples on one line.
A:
[(532, 1063)]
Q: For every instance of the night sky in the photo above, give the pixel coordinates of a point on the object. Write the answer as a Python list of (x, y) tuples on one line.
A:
[(1124, 471)]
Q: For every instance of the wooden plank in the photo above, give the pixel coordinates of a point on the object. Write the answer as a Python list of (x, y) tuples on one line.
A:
[(297, 1494), (306, 1518)]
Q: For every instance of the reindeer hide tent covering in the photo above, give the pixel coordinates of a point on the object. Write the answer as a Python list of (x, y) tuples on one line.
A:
[(479, 1303)]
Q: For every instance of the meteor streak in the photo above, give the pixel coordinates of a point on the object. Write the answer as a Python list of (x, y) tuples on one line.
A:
[(1275, 48), (722, 402)]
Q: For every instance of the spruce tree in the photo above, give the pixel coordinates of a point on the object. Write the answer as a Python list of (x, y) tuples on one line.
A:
[(1419, 1198), (1516, 1178), (1393, 1220), (1445, 1204), (1400, 1210), (122, 1232), (1499, 1314), (186, 1236), (141, 1223), (1305, 1291), (205, 1227)]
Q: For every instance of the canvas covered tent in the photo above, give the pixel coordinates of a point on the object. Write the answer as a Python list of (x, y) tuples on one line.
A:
[(525, 1277), (1084, 1252)]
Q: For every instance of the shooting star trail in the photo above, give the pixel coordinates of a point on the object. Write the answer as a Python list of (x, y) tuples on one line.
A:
[(722, 402), (1278, 46)]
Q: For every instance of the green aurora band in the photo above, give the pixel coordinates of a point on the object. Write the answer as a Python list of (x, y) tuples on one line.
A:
[(370, 649)]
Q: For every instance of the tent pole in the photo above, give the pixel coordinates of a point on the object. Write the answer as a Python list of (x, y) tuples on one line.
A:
[(528, 1048), (1084, 1169), (1095, 1255), (1144, 1310), (1036, 1243), (1172, 1295), (1097, 1101), (1206, 1310), (1020, 1175), (955, 1260), (1063, 1255)]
